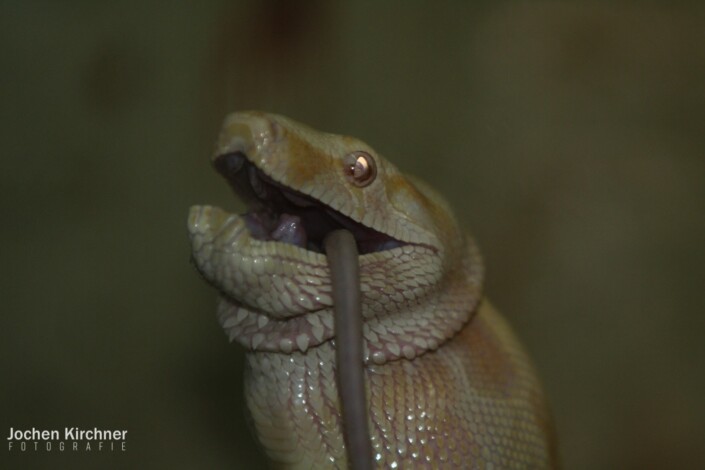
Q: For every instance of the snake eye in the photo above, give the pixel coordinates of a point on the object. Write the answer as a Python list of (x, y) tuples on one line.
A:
[(360, 168)]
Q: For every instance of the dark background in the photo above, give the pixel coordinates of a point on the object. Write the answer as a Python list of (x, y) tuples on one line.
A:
[(569, 136)]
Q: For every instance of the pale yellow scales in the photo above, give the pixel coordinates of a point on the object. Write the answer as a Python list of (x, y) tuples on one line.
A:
[(448, 384)]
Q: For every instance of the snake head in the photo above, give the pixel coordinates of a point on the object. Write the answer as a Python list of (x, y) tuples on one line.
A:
[(299, 184)]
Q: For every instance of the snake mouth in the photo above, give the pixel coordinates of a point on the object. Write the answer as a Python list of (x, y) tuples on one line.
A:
[(277, 212)]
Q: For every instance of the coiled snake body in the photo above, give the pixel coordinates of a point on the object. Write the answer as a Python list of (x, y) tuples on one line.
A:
[(447, 383)]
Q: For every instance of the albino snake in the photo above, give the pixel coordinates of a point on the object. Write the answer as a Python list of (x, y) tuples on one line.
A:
[(447, 383)]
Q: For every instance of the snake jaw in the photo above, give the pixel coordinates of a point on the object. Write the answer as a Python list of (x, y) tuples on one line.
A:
[(308, 166), (278, 212)]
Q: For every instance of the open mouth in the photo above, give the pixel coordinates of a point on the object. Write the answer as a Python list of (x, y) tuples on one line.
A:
[(277, 212)]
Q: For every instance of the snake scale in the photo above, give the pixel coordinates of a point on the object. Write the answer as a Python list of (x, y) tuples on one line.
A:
[(447, 383)]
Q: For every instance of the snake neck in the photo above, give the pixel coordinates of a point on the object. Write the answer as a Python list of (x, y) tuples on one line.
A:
[(408, 309)]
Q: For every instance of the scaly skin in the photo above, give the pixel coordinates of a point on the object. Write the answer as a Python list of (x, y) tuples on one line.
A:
[(448, 384)]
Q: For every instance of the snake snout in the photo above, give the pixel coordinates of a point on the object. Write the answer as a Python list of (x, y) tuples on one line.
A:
[(248, 132)]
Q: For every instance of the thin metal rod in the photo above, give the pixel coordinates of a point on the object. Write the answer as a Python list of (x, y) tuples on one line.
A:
[(342, 254)]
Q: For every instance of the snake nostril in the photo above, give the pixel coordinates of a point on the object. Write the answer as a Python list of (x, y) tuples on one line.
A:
[(228, 164)]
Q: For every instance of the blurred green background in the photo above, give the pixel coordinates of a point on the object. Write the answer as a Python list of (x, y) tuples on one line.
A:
[(569, 136)]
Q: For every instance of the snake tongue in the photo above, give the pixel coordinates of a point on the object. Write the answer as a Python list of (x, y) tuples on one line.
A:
[(290, 230), (284, 228)]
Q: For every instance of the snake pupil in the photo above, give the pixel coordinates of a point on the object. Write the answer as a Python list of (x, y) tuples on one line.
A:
[(360, 168)]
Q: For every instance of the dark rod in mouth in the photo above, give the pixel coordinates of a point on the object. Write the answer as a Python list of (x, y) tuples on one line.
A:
[(341, 250)]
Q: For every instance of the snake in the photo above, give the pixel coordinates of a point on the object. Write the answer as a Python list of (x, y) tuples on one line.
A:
[(443, 380)]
